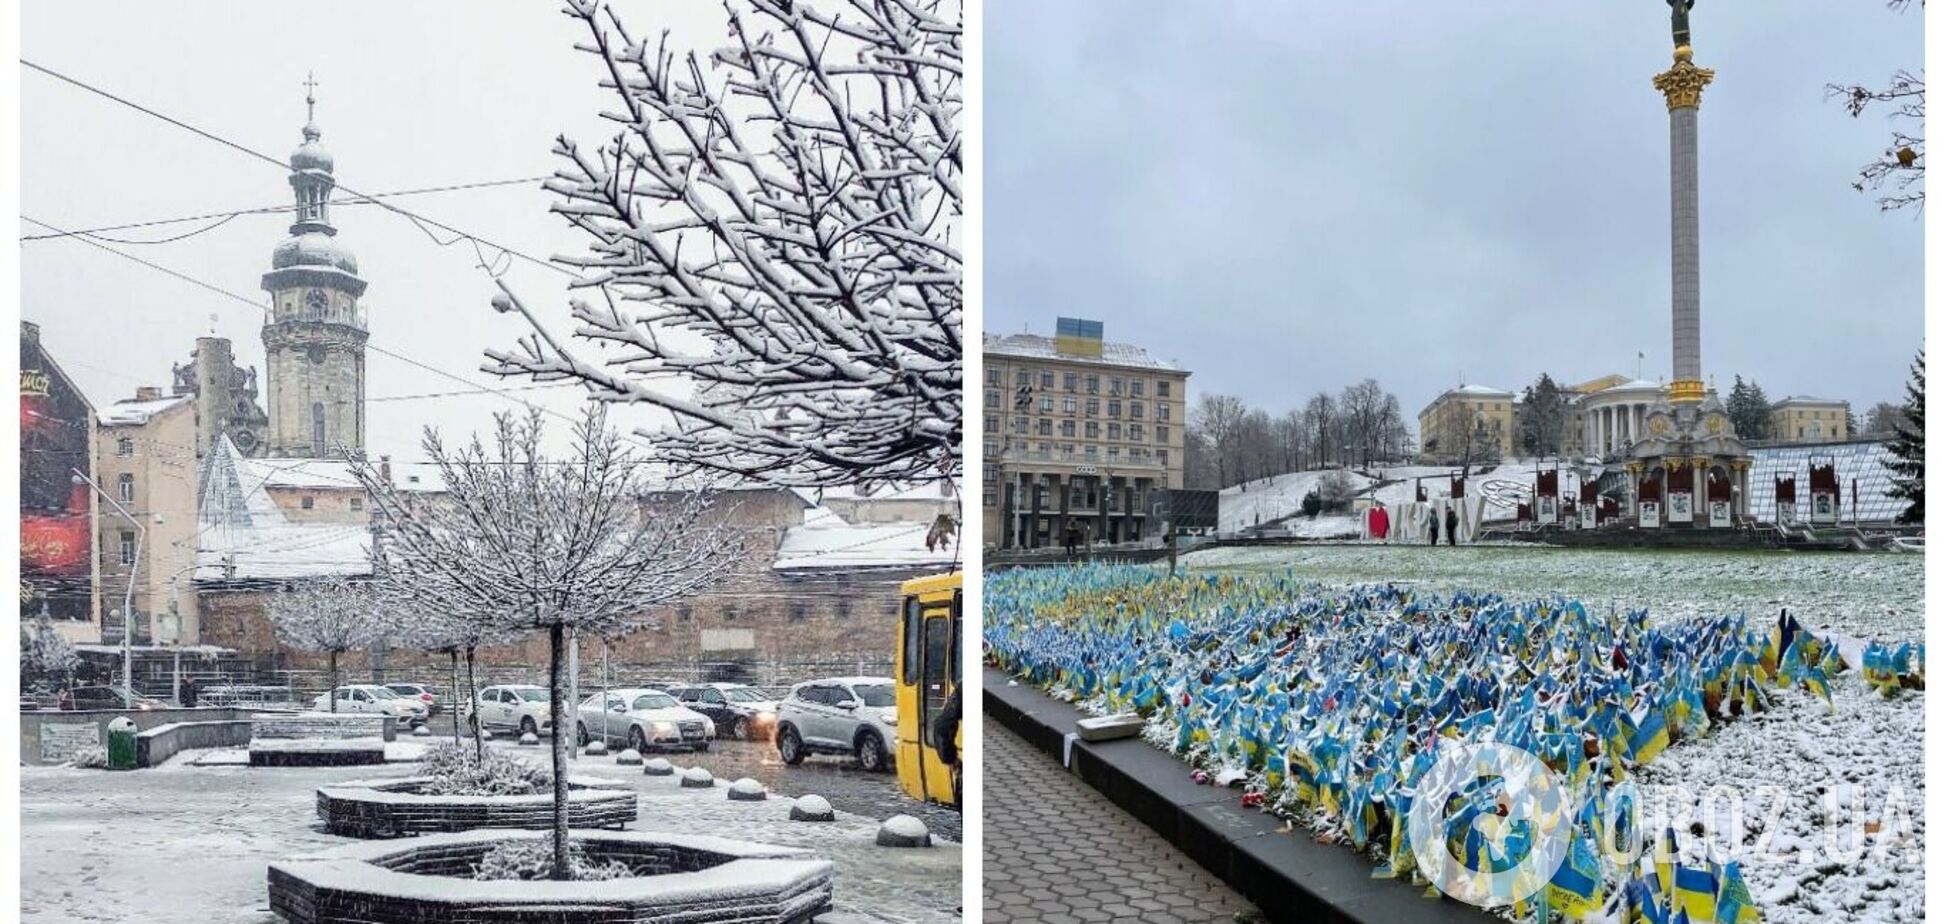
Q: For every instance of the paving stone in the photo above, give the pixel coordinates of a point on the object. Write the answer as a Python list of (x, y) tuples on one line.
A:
[(1069, 856)]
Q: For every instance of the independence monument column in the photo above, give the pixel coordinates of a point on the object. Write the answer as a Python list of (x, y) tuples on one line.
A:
[(1682, 85)]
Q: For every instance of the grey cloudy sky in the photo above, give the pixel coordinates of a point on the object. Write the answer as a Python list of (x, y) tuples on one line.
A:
[(1287, 197), (410, 96)]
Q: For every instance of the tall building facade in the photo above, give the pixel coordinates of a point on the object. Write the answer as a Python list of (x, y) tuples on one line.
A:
[(1468, 424), (314, 338), (1077, 431), (58, 511), (144, 461)]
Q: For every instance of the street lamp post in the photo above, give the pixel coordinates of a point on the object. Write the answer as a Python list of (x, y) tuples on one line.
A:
[(128, 600)]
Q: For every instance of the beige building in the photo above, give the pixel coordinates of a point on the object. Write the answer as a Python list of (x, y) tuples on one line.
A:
[(1799, 419), (1467, 424), (1077, 432), (146, 452)]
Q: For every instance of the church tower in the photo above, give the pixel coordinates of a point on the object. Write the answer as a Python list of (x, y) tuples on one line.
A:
[(314, 336)]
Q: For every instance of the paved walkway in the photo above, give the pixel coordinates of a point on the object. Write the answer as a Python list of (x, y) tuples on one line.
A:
[(1058, 852)]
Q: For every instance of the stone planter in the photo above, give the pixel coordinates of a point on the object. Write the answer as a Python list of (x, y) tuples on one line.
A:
[(346, 752), (693, 879), (393, 808)]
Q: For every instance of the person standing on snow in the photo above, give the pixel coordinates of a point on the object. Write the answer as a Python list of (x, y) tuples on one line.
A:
[(1431, 521), (1451, 526)]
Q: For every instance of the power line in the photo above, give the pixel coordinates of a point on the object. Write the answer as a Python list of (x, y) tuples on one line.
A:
[(280, 165), (273, 209), (266, 309)]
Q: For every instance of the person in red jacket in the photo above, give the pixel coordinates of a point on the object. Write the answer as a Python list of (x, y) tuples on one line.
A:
[(1379, 522)]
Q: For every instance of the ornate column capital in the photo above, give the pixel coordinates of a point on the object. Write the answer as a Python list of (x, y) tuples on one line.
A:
[(1682, 83)]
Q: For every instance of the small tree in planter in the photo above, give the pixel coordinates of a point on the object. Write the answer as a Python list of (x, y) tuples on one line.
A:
[(333, 616), (526, 543), (431, 614)]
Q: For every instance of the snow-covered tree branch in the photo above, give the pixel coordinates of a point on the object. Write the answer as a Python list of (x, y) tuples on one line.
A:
[(332, 616), (773, 254), (519, 543)]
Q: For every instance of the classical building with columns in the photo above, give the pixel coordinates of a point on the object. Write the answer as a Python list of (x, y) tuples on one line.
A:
[(1609, 415)]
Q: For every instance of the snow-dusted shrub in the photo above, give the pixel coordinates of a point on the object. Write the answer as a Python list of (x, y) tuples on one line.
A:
[(533, 859), (1335, 490), (92, 756), (457, 771), (47, 660)]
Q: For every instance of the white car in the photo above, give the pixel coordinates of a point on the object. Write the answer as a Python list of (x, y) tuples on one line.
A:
[(840, 715), (372, 699), (516, 707), (642, 719)]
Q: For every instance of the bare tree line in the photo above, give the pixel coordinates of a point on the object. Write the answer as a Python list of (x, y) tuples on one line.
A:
[(1229, 443)]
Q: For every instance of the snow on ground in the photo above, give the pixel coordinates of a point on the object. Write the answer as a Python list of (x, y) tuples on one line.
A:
[(99, 846), (1872, 596), (1266, 499), (1868, 752), (1807, 788)]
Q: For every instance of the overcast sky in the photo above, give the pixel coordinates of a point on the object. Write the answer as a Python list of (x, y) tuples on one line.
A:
[(1287, 197), (409, 96)]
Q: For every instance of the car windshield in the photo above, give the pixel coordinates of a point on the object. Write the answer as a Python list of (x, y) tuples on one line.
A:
[(654, 701), (532, 696), (876, 694), (744, 695)]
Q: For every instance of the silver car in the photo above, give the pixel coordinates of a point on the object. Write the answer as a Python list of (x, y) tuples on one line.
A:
[(840, 715), (642, 719)]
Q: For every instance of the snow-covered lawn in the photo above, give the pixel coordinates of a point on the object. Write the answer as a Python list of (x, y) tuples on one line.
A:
[(1862, 594), (190, 844)]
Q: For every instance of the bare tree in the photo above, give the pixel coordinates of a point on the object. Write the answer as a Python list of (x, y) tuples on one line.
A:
[(532, 544), (1219, 420), (1321, 414), (1899, 172), (773, 256), (429, 611), (329, 615), (1883, 419)]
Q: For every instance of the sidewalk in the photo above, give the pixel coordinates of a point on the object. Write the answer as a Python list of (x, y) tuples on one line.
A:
[(1058, 852)]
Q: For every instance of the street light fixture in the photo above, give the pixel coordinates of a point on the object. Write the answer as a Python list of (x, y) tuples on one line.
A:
[(135, 566)]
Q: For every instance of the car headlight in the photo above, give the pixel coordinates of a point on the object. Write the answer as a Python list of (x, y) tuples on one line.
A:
[(662, 729)]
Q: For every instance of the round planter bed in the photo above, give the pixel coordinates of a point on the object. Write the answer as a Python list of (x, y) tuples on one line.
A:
[(396, 808), (693, 879)]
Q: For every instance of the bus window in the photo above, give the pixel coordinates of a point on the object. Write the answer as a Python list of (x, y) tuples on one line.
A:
[(913, 617), (938, 641), (957, 654)]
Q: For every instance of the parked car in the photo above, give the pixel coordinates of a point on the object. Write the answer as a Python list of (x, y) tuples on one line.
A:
[(840, 715), (742, 710), (421, 692), (372, 699), (642, 719), (79, 698), (520, 707)]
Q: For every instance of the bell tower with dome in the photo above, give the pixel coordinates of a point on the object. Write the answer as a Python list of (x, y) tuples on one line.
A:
[(314, 336)]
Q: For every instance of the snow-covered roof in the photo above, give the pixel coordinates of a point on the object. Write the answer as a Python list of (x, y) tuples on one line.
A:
[(315, 474), (1806, 399), (1035, 346), (826, 542), (136, 413), (1480, 390), (1634, 385), (243, 535)]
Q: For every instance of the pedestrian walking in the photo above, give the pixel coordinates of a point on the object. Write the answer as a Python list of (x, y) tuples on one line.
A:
[(1451, 526)]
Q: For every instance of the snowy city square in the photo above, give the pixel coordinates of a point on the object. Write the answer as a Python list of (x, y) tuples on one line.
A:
[(1467, 465), (494, 463)]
